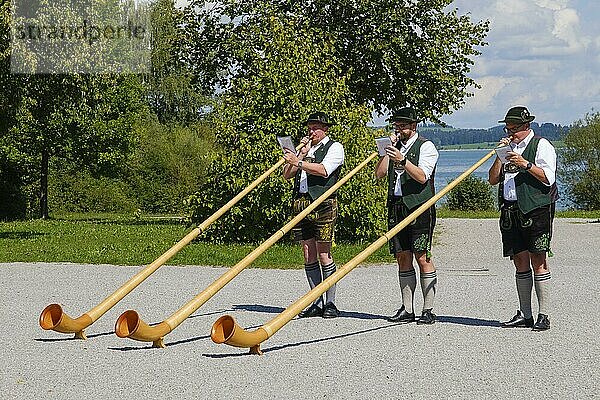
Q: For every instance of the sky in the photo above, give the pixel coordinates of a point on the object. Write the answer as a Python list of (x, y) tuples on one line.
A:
[(543, 54)]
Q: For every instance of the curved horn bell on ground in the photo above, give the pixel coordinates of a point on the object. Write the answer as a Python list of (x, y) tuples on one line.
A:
[(149, 335), (226, 330), (53, 318), (129, 324)]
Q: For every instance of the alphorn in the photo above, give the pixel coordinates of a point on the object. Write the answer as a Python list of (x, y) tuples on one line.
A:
[(226, 330), (130, 325), (54, 318)]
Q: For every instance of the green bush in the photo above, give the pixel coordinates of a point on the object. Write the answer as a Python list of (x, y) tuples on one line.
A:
[(79, 191), (169, 164), (472, 194), (580, 163)]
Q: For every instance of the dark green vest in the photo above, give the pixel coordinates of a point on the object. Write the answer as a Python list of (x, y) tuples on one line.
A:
[(317, 185), (413, 192), (531, 193)]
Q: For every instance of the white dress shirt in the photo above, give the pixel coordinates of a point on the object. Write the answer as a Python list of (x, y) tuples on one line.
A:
[(545, 158), (333, 159), (428, 156)]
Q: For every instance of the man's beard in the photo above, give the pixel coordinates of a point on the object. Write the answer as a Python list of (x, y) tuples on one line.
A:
[(404, 136)]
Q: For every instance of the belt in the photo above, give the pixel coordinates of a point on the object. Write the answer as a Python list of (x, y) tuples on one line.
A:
[(509, 204)]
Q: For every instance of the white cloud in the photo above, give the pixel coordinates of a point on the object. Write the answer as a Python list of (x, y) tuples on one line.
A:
[(552, 4), (566, 27), (542, 53), (491, 86)]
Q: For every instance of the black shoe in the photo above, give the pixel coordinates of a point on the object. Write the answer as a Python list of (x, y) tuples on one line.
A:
[(518, 321), (402, 316), (427, 317), (330, 311), (542, 323), (312, 311)]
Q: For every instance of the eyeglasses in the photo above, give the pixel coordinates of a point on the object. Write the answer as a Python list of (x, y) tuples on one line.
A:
[(316, 127), (514, 129), (400, 126)]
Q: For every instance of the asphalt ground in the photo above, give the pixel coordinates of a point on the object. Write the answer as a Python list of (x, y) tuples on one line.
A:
[(465, 355)]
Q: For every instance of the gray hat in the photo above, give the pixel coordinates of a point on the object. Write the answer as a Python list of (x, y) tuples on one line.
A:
[(518, 115)]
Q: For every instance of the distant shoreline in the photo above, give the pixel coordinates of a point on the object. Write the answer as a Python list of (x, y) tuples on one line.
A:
[(486, 146)]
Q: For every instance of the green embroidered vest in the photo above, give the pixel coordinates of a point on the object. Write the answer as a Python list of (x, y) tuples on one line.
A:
[(413, 192), (317, 185), (531, 193)]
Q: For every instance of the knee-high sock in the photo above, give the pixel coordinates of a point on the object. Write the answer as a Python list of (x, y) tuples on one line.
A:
[(328, 270), (524, 284), (408, 284), (542, 291), (428, 283), (313, 274)]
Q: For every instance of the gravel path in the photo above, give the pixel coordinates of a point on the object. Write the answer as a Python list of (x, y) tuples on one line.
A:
[(465, 355)]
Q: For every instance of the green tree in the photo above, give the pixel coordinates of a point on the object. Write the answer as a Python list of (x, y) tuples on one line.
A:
[(171, 92), (85, 119), (580, 162), (285, 71), (394, 52), (13, 201)]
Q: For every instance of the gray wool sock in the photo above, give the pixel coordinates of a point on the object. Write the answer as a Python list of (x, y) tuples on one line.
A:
[(313, 274), (328, 270), (408, 284), (524, 284), (542, 291), (428, 284)]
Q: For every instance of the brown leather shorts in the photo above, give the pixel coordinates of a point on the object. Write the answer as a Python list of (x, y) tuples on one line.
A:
[(319, 224)]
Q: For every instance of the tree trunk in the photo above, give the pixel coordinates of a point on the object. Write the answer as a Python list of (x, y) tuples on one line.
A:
[(44, 184)]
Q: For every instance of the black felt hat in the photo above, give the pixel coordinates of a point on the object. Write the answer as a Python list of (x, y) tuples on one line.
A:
[(404, 114), (518, 115), (319, 117)]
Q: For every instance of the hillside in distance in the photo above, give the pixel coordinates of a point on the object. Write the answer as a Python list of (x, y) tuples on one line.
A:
[(448, 136)]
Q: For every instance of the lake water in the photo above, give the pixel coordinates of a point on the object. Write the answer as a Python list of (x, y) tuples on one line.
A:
[(452, 163)]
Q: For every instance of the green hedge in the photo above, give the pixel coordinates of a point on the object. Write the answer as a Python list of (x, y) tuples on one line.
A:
[(472, 194)]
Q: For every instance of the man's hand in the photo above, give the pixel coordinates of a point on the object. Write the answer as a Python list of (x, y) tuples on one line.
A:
[(305, 141), (290, 157), (394, 153), (517, 159), (506, 141)]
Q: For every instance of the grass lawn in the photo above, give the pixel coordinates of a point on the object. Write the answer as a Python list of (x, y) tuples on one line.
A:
[(124, 240)]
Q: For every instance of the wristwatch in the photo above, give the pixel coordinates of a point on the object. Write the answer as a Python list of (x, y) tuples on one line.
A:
[(529, 165), (300, 164), (402, 162)]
